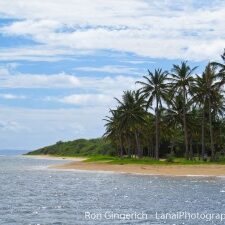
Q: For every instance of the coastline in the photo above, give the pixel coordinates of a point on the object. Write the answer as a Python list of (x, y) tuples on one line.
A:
[(77, 163), (52, 157), (162, 170)]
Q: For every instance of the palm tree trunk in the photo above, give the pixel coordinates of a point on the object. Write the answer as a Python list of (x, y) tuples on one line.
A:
[(157, 132), (129, 147), (203, 133), (191, 148), (211, 132), (149, 149), (139, 151), (172, 147), (198, 151), (121, 147), (118, 149)]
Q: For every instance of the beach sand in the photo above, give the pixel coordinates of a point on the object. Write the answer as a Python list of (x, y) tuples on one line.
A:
[(166, 170)]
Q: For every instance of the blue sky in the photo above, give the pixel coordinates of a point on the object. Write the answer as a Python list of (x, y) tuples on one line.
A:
[(62, 62)]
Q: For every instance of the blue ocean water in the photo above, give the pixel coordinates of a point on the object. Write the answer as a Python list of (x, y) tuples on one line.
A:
[(32, 194)]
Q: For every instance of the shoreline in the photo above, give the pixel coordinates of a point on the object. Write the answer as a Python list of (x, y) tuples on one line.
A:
[(52, 157), (154, 170), (78, 164)]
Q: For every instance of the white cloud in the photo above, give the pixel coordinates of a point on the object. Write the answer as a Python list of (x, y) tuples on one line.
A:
[(4, 72), (12, 126), (110, 85), (135, 62), (29, 27), (9, 96), (97, 92), (36, 53), (61, 80), (114, 69), (165, 29), (87, 99)]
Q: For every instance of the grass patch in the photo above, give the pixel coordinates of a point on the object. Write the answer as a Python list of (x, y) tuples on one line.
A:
[(148, 161)]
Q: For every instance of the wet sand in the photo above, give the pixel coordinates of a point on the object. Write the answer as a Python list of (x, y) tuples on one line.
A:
[(77, 159)]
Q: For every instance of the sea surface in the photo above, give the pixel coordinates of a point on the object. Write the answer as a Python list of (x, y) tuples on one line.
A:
[(30, 193)]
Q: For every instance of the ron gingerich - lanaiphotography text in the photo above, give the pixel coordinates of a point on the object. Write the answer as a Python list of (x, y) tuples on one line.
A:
[(168, 216)]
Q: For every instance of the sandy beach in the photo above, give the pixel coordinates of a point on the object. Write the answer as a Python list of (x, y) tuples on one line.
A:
[(166, 170)]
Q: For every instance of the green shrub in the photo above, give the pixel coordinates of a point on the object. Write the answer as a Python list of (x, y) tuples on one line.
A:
[(170, 158)]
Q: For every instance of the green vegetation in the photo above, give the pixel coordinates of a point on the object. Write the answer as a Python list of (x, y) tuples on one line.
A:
[(149, 161), (80, 147), (102, 151), (173, 114)]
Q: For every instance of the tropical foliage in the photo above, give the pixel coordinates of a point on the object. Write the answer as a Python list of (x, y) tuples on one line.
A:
[(80, 147), (174, 112)]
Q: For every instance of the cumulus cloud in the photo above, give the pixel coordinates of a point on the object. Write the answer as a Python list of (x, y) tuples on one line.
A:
[(159, 29)]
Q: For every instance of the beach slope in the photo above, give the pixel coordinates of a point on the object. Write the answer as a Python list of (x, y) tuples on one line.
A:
[(167, 170)]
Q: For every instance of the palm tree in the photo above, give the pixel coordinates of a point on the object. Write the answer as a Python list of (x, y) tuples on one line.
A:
[(113, 131), (149, 133), (174, 119), (213, 90), (193, 125), (199, 92), (155, 89), (182, 81), (194, 113), (132, 115)]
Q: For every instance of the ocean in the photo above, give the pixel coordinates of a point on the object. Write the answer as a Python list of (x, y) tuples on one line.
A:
[(32, 194)]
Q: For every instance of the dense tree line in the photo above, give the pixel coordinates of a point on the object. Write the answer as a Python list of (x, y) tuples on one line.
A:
[(174, 112)]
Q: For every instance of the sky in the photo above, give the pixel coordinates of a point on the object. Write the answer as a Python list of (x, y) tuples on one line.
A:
[(63, 62)]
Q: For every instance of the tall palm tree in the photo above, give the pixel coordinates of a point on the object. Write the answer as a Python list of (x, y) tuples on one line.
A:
[(149, 132), (155, 89), (132, 115), (193, 124), (213, 92), (199, 92), (182, 81), (174, 117)]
